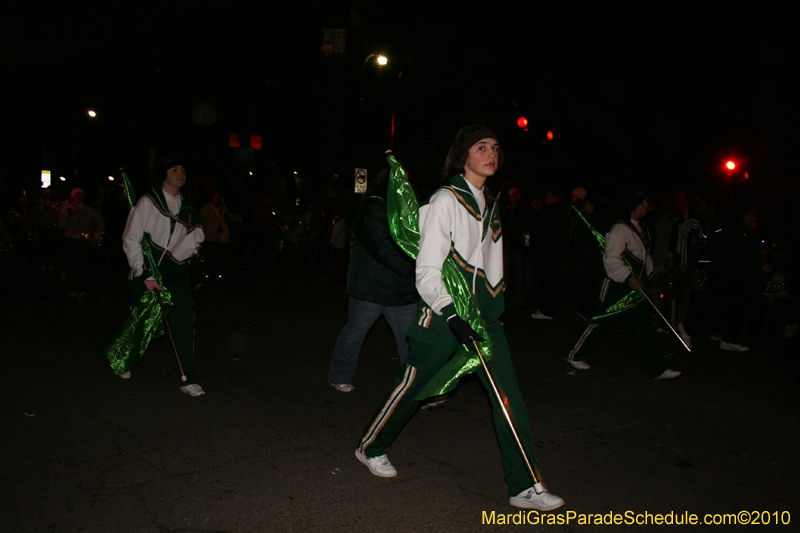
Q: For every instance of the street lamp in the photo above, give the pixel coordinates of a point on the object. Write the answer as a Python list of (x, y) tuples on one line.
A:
[(380, 59)]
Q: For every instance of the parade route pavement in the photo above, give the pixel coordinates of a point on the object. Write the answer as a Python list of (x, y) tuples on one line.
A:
[(270, 446)]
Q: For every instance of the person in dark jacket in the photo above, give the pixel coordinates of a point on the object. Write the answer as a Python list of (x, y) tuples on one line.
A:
[(737, 261), (380, 281), (549, 242), (585, 258)]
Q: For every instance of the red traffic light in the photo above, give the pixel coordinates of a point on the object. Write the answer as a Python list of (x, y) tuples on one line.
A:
[(522, 122), (730, 165)]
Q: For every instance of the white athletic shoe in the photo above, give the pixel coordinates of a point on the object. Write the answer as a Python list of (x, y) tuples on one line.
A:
[(193, 390), (669, 374), (529, 499), (538, 315), (126, 375), (342, 387), (731, 347), (580, 365), (379, 466)]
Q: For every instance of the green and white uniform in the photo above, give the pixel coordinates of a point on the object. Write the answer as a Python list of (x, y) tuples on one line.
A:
[(460, 222), (175, 232), (631, 241)]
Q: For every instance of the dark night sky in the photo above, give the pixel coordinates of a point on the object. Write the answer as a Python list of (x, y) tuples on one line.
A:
[(642, 93)]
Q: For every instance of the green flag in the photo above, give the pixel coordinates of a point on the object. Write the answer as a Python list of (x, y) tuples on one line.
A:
[(403, 211), (630, 300), (146, 319)]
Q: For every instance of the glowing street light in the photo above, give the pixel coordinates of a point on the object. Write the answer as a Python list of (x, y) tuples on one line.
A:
[(91, 113), (380, 59), (730, 165)]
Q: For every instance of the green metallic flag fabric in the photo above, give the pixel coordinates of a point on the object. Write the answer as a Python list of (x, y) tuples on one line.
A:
[(146, 319), (630, 300), (403, 211)]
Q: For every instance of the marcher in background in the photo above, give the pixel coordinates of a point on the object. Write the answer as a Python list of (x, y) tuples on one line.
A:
[(461, 221), (216, 218), (167, 218), (585, 260), (46, 215), (81, 225), (549, 242), (23, 230), (686, 232), (380, 281), (518, 225), (736, 269), (628, 243)]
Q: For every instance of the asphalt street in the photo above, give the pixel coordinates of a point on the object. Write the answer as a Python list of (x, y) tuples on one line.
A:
[(270, 446)]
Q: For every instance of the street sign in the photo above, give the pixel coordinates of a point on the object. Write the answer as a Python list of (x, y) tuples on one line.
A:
[(361, 180)]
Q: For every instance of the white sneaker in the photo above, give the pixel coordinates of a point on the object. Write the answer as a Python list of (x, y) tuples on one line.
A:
[(538, 315), (669, 374), (731, 347), (126, 375), (685, 336), (379, 466), (342, 387), (529, 499), (193, 390), (580, 365)]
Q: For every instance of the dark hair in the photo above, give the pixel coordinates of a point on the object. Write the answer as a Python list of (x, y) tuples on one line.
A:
[(459, 150), (163, 164), (159, 174), (627, 202), (380, 184)]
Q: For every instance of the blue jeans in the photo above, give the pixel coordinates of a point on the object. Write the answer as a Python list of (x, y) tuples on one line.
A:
[(361, 317)]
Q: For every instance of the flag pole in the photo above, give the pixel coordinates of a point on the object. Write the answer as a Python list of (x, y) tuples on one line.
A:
[(532, 469), (169, 330), (664, 319)]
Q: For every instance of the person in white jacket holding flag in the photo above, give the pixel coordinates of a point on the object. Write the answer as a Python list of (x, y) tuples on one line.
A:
[(167, 218)]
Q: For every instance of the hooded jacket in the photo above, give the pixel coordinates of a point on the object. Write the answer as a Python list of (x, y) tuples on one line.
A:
[(380, 271)]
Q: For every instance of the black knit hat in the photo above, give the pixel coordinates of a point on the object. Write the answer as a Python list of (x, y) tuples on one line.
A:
[(163, 164), (630, 200), (459, 150)]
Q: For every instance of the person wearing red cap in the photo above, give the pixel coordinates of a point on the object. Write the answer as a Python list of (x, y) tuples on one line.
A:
[(78, 221)]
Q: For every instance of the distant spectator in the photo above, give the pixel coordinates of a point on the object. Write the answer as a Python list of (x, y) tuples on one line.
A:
[(517, 228), (216, 218), (549, 242), (82, 227)]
